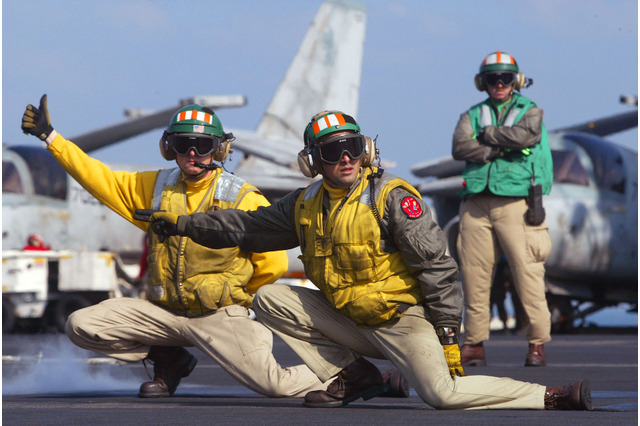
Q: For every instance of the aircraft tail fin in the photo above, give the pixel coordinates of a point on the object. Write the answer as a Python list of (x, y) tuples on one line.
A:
[(325, 73)]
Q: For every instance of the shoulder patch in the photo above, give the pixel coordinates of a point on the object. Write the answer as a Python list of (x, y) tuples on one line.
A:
[(411, 207)]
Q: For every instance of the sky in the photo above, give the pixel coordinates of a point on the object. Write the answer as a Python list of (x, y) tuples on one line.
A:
[(94, 59)]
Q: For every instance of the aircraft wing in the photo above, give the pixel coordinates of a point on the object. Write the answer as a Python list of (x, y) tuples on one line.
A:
[(446, 187), (440, 168), (273, 180), (605, 126), (144, 122)]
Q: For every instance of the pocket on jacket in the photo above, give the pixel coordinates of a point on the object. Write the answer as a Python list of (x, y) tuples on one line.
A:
[(367, 309), (212, 296), (355, 261)]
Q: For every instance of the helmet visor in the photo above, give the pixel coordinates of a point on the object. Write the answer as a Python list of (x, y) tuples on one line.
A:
[(333, 151), (202, 145), (506, 78)]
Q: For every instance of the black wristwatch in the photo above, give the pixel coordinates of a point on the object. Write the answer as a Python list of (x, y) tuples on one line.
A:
[(447, 335)]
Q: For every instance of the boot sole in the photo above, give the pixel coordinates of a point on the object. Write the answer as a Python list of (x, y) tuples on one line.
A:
[(585, 395), (153, 395), (366, 394)]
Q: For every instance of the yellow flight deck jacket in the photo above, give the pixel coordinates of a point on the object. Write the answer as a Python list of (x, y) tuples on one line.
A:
[(186, 278), (342, 255)]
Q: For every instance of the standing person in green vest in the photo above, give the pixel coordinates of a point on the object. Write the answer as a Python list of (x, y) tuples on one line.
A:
[(508, 167)]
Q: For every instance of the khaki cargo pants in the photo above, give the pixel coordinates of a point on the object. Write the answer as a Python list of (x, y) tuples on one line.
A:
[(125, 328), (489, 226), (328, 341)]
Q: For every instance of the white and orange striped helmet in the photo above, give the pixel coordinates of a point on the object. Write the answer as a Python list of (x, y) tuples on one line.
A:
[(327, 122), (498, 61), (196, 120)]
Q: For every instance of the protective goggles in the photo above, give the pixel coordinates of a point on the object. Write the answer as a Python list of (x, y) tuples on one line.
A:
[(202, 145), (506, 78), (332, 151)]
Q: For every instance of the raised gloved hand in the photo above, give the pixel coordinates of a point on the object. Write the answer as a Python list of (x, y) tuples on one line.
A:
[(163, 223), (36, 121), (449, 340)]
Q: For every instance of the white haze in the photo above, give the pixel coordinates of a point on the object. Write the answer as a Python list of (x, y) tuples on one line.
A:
[(51, 364)]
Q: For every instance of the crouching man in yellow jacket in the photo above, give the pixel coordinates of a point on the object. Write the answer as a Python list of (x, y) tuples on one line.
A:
[(197, 296)]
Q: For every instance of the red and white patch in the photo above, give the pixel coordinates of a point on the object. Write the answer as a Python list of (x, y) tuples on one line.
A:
[(411, 207)]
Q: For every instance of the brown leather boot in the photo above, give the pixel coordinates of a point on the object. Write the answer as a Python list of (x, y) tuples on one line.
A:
[(170, 364), (358, 379), (397, 386), (576, 396), (473, 355), (535, 357)]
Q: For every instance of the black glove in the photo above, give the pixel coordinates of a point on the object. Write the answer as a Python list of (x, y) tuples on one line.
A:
[(163, 223), (36, 122)]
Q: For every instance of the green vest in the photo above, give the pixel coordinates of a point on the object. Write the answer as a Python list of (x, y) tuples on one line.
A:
[(345, 260), (508, 177), (187, 278)]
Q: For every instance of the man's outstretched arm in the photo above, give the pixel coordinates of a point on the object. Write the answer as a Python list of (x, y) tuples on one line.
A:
[(265, 229)]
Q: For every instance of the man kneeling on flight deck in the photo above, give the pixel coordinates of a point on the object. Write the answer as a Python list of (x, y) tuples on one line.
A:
[(388, 290), (197, 296)]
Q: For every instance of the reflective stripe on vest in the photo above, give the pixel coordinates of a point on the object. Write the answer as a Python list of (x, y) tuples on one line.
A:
[(487, 120), (165, 177)]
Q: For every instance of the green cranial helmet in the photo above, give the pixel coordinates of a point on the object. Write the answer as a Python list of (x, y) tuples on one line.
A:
[(326, 123), (498, 61), (195, 119)]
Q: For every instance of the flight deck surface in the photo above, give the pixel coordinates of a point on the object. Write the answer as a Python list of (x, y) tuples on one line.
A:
[(46, 380)]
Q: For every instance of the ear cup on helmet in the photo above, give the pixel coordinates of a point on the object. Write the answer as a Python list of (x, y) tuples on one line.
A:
[(305, 163), (221, 153), (520, 81), (369, 153), (479, 82), (165, 150)]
